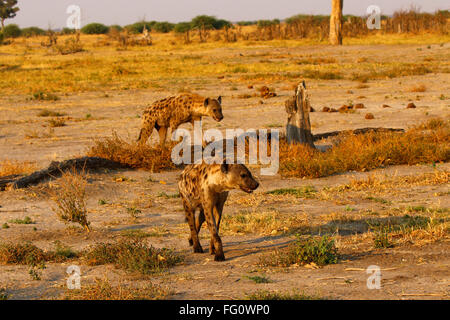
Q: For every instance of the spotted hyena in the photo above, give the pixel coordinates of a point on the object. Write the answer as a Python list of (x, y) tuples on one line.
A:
[(173, 111), (205, 187)]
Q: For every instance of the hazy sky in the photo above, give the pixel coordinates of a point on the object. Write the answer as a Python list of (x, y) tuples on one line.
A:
[(45, 13)]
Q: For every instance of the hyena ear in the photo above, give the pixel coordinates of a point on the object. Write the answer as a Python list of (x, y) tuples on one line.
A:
[(206, 103), (219, 99), (224, 167)]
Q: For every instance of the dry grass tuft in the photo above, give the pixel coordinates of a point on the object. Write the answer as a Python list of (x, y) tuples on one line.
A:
[(133, 255), (366, 151), (154, 159), (8, 168), (70, 198), (103, 290), (418, 88)]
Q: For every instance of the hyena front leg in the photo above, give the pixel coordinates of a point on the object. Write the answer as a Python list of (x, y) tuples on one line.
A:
[(218, 208), (146, 131), (215, 239)]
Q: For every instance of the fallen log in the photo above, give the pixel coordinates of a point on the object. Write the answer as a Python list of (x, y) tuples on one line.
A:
[(56, 169), (356, 131)]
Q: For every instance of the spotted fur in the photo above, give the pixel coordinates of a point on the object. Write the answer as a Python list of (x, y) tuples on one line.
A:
[(173, 111), (205, 188)]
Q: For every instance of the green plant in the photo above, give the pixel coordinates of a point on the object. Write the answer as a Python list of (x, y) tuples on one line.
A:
[(259, 279), (12, 31), (61, 253), (381, 238), (302, 192), (95, 28), (5, 226), (26, 220), (3, 294), (49, 113), (132, 255), (134, 212), (273, 295), (321, 251), (44, 96), (168, 196)]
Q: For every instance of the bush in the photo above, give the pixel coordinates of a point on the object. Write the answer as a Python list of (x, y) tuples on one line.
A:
[(132, 255), (362, 152), (321, 251), (95, 28), (66, 31), (182, 27), (163, 27), (1, 38), (12, 31), (133, 154), (70, 199), (115, 27), (138, 27), (32, 32)]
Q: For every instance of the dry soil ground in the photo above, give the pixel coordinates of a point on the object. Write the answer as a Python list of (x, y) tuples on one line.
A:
[(416, 269)]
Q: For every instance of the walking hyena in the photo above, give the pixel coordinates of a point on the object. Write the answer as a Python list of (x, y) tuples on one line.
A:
[(205, 187), (174, 111)]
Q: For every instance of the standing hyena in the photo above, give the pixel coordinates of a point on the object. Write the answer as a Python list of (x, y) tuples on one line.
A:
[(174, 111), (205, 187)]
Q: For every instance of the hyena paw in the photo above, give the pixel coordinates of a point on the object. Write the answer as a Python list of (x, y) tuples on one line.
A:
[(219, 257), (198, 249)]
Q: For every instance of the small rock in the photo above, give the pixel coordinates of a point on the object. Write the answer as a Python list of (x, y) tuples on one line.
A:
[(325, 109), (359, 106), (386, 106), (411, 106), (369, 116)]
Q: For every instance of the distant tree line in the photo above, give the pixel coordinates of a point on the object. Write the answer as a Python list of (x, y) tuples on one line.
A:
[(296, 27)]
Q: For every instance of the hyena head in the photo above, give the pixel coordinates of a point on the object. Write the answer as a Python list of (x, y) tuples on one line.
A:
[(214, 108), (237, 176)]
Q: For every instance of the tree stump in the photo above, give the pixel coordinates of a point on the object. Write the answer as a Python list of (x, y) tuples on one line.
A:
[(336, 22), (298, 128)]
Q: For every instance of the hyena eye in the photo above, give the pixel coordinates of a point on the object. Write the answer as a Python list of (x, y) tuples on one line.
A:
[(243, 175)]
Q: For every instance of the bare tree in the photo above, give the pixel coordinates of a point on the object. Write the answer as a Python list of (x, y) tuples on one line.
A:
[(8, 9), (336, 22)]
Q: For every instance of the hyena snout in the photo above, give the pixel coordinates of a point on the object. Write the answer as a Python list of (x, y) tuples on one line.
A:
[(249, 184)]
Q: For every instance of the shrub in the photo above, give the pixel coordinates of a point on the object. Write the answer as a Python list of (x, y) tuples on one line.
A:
[(321, 251), (132, 154), (70, 199), (132, 255), (66, 31), (182, 27), (163, 27), (273, 295), (95, 28), (22, 253), (32, 32), (138, 27), (12, 31), (366, 152), (102, 290)]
